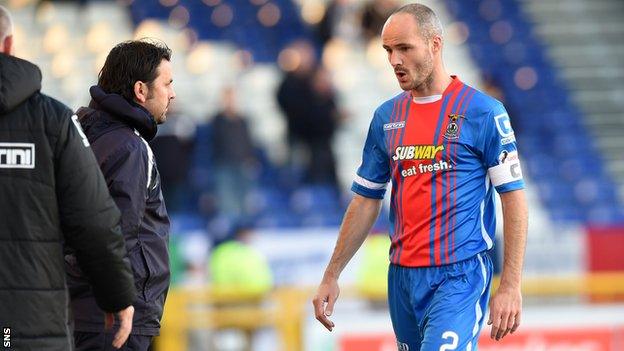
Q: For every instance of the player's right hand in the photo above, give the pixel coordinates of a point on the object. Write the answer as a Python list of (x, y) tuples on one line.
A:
[(324, 301), (125, 325)]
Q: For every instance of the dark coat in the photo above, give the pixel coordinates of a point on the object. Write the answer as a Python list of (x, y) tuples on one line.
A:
[(118, 132), (52, 193)]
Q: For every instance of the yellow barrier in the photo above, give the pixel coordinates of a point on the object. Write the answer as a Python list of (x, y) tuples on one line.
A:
[(189, 309), (284, 309)]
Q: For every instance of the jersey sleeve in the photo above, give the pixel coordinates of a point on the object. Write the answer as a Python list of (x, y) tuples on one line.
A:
[(500, 151), (374, 172)]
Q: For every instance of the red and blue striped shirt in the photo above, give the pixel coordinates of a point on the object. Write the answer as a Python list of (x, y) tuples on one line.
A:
[(444, 155)]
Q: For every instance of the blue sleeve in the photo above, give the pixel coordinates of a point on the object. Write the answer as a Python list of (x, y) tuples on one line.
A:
[(500, 152), (374, 172)]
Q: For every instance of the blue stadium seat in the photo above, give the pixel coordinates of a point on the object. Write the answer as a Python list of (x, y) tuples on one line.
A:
[(558, 153)]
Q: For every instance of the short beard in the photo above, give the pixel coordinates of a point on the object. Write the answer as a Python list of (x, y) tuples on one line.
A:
[(424, 84), (428, 80)]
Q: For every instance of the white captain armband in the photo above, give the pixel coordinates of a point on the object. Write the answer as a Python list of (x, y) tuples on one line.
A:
[(508, 169), (368, 184)]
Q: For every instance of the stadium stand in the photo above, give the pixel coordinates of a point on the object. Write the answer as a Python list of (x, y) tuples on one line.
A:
[(557, 65), (560, 155)]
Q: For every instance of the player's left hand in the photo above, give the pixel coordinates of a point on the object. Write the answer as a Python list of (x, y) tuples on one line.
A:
[(505, 312), (324, 301)]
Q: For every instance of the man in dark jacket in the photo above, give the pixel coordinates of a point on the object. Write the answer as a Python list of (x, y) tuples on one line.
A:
[(52, 193), (307, 99), (132, 96)]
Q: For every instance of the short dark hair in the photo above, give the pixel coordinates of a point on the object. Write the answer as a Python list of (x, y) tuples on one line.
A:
[(132, 61)]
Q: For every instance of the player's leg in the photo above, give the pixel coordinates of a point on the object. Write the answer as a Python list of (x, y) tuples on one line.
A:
[(457, 311), (404, 321)]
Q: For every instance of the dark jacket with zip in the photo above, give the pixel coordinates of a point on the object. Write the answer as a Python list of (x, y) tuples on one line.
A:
[(52, 194), (118, 131)]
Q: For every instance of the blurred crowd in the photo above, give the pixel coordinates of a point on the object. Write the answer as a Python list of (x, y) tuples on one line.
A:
[(312, 115), (233, 165)]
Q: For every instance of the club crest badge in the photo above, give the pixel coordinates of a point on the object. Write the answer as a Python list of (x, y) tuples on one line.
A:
[(452, 129)]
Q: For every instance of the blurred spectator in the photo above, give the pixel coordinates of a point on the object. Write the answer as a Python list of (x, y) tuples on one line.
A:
[(334, 16), (173, 148), (233, 154), (307, 98), (374, 15), (341, 20), (236, 266), (492, 87), (80, 3)]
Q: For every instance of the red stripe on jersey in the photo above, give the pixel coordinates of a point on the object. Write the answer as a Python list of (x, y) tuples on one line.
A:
[(400, 187), (461, 122), (420, 128), (437, 230), (395, 117), (396, 243), (396, 111), (449, 187), (415, 204)]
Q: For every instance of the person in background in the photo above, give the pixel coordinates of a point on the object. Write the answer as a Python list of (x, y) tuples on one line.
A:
[(132, 97), (173, 148), (235, 265), (234, 157), (308, 101), (336, 15), (53, 194), (374, 15)]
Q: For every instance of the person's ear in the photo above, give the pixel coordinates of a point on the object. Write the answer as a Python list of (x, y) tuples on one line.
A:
[(436, 44), (7, 45), (140, 91)]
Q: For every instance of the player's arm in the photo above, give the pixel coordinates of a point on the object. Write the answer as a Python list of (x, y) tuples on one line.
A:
[(369, 187), (356, 224), (501, 157), (506, 305)]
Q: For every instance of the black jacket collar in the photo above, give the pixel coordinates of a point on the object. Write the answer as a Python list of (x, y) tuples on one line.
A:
[(19, 79), (130, 113)]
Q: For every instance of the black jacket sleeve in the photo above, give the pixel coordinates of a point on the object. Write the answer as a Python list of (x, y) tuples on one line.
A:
[(90, 220)]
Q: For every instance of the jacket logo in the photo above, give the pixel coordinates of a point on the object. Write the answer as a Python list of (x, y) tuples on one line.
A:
[(17, 155)]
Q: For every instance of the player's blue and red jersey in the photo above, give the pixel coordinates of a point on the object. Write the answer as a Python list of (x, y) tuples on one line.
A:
[(445, 156)]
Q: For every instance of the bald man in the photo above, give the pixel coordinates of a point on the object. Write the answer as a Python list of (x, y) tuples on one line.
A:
[(6, 31), (446, 147), (53, 194)]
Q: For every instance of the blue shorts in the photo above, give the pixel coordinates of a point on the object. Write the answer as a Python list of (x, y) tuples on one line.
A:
[(439, 308)]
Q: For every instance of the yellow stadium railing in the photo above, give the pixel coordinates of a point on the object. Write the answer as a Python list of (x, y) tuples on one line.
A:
[(206, 308)]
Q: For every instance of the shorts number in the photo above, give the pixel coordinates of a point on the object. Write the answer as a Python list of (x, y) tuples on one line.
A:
[(453, 344)]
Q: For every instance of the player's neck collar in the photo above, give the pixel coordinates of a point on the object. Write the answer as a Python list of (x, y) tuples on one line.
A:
[(437, 97), (426, 99)]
